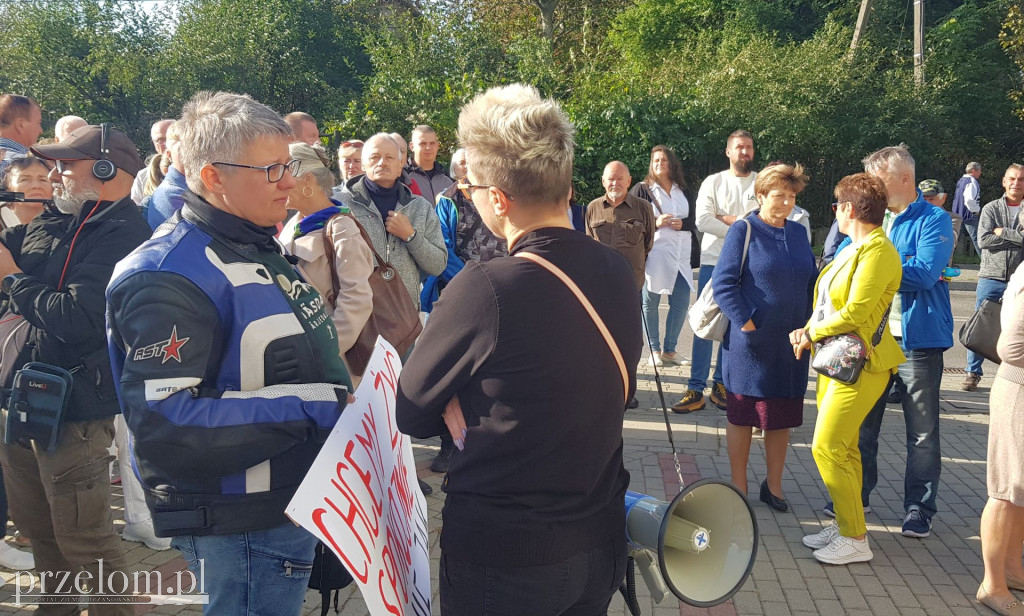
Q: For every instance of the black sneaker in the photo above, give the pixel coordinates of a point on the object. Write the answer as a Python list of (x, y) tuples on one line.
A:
[(425, 487), (440, 462), (830, 510), (692, 401), (917, 524), (719, 395)]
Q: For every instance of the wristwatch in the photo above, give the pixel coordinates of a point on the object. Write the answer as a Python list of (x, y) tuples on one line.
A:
[(9, 280), (409, 239)]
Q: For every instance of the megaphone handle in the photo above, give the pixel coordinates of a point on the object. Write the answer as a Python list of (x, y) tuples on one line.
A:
[(628, 589), (652, 577)]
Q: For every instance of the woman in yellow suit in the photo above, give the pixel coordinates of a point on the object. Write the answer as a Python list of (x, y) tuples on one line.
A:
[(853, 295)]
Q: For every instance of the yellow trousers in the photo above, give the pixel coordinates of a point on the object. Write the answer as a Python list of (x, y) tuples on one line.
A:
[(841, 410)]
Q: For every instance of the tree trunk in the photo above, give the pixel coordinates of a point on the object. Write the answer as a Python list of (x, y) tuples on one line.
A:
[(547, 18)]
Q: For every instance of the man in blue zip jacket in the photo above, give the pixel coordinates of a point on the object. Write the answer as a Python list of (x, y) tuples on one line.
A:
[(922, 321)]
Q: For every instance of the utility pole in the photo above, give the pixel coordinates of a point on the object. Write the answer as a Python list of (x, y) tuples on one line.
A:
[(862, 20), (919, 43)]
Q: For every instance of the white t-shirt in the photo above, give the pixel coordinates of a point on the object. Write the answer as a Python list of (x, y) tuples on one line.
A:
[(721, 194)]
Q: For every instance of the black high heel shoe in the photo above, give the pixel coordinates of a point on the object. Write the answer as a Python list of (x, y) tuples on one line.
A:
[(776, 503)]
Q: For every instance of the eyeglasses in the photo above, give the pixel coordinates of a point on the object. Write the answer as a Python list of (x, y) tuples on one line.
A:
[(467, 189), (837, 204), (62, 165), (274, 172)]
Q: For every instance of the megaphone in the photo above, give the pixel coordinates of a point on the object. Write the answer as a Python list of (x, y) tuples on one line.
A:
[(705, 541)]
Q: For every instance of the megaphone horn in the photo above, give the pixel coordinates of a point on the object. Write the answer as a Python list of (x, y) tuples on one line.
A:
[(705, 541)]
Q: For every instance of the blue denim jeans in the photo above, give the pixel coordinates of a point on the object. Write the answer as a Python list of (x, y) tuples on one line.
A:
[(701, 352), (971, 226), (678, 302), (259, 573), (988, 288), (920, 377)]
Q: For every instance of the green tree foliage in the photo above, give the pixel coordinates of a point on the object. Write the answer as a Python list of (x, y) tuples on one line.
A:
[(630, 73), (1012, 38), (294, 55), (96, 59)]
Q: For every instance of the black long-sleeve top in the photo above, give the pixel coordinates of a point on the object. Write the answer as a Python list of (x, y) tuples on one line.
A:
[(541, 476)]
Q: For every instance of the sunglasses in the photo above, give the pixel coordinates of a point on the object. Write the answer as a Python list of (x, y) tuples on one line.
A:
[(837, 204), (352, 144)]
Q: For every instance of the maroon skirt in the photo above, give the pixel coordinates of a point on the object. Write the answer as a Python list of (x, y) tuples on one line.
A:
[(764, 413)]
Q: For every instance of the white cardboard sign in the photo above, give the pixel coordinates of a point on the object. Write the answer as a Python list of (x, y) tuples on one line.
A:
[(361, 497)]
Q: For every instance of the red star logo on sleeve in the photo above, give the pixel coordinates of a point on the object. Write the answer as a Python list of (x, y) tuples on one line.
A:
[(172, 349)]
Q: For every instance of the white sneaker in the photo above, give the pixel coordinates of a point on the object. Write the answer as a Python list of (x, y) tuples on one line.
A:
[(14, 559), (655, 360), (821, 538), (674, 360), (143, 533), (844, 550)]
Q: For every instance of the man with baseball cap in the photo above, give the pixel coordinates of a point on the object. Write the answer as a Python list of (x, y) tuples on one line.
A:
[(53, 275)]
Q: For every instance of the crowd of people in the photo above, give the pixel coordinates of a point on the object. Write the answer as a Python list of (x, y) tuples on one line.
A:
[(208, 303)]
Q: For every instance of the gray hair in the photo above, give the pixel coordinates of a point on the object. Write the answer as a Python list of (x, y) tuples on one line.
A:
[(60, 128), (451, 165), (972, 167), (892, 159), (217, 126), (519, 142), (313, 159), (388, 137)]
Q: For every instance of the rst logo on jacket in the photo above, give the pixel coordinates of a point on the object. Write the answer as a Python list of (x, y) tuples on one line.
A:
[(169, 349)]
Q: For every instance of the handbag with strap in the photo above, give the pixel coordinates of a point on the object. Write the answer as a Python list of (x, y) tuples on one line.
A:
[(981, 332), (554, 269), (842, 357), (394, 316), (705, 316)]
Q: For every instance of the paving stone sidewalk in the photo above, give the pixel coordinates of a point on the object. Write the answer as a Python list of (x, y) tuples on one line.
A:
[(937, 576)]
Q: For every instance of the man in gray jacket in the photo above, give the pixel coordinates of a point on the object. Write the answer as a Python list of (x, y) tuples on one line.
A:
[(424, 169), (1000, 235), (403, 227)]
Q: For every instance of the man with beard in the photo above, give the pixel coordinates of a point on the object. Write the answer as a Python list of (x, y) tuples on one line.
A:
[(723, 198), (53, 274)]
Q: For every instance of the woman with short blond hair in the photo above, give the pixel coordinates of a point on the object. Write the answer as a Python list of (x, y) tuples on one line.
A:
[(513, 367)]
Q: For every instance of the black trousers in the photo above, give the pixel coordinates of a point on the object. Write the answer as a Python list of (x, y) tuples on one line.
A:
[(580, 585)]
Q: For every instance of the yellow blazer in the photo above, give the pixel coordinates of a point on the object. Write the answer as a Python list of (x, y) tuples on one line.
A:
[(862, 289)]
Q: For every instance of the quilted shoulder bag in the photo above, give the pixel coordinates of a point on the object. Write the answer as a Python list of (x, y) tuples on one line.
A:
[(842, 357)]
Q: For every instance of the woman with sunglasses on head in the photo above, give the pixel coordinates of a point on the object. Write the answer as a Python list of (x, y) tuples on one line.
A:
[(516, 369), (351, 260), (852, 296)]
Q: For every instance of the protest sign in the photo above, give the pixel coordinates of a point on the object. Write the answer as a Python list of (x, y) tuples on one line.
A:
[(361, 497)]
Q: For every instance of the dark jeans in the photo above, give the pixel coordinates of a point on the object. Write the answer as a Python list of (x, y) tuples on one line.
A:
[(580, 585), (920, 376)]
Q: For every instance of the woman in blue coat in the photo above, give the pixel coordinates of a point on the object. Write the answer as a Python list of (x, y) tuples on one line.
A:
[(765, 296)]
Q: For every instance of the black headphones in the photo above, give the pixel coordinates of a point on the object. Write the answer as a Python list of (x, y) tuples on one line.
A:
[(103, 169)]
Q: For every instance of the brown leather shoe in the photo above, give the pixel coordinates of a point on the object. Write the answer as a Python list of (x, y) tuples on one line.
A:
[(970, 382)]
